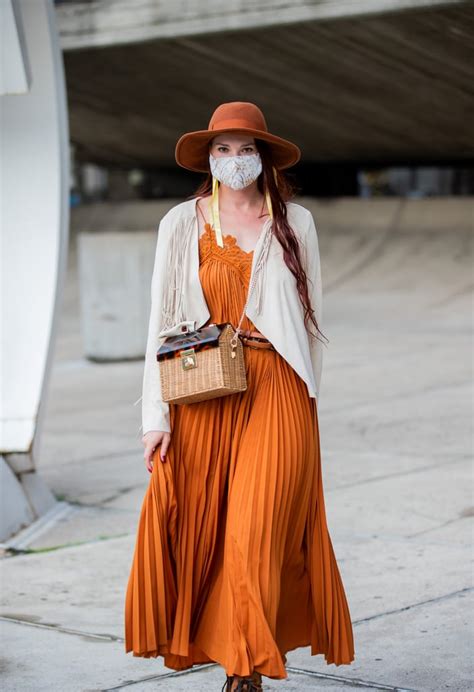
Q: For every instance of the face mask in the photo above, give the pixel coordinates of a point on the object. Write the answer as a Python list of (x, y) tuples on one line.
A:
[(236, 172)]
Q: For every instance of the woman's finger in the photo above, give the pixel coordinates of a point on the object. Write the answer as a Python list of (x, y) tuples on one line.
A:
[(164, 447), (149, 451)]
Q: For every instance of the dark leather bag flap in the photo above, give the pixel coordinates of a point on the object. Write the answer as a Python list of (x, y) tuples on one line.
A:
[(205, 337)]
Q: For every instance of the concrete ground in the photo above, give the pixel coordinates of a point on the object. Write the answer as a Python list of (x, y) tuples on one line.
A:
[(396, 437)]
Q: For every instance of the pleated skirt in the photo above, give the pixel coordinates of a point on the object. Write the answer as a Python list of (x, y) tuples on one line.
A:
[(233, 561)]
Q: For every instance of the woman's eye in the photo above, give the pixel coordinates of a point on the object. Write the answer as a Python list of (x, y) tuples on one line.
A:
[(245, 149)]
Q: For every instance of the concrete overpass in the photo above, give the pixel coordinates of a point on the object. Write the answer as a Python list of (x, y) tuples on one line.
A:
[(368, 81)]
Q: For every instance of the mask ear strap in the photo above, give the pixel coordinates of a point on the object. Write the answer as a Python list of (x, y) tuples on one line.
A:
[(214, 207)]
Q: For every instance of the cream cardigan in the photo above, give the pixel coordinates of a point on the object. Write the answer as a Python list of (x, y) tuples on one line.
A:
[(275, 308)]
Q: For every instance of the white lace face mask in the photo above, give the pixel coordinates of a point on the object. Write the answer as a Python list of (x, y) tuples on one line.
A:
[(236, 172)]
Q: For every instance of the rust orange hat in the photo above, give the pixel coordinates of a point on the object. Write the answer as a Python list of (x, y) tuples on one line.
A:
[(192, 148)]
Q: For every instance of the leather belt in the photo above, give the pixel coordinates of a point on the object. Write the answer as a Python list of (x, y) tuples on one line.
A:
[(255, 339)]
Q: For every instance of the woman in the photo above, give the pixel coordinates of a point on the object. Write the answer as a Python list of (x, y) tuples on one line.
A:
[(233, 560)]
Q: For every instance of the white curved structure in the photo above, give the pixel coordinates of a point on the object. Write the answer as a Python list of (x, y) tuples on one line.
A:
[(34, 231)]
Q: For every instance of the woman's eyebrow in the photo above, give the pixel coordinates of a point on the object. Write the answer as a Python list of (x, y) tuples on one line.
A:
[(242, 145)]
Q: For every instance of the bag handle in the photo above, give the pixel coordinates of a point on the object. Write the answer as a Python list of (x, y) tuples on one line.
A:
[(233, 341)]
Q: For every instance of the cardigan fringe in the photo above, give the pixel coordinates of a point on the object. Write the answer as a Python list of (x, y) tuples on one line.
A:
[(173, 307), (261, 263)]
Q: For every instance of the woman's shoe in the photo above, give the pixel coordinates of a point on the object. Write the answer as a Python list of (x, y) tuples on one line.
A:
[(248, 684), (228, 684), (257, 680)]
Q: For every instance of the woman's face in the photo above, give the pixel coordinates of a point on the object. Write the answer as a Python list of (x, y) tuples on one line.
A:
[(232, 144)]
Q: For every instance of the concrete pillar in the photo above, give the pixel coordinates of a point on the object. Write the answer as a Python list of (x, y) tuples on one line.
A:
[(34, 223), (115, 270)]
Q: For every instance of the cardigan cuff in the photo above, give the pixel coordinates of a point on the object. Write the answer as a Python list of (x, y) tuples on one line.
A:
[(158, 420)]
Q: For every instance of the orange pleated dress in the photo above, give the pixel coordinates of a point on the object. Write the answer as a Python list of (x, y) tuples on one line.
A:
[(233, 561)]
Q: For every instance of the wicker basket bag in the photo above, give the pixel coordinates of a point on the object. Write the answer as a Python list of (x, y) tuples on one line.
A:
[(202, 364)]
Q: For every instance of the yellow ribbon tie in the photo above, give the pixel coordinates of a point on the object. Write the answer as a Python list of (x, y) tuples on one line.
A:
[(216, 224)]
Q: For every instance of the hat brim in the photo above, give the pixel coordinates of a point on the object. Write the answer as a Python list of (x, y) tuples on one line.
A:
[(192, 150)]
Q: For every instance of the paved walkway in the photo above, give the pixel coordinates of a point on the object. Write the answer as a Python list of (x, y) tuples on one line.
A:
[(395, 432)]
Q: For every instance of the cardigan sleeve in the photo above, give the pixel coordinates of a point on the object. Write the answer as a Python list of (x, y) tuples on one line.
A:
[(155, 411), (316, 295)]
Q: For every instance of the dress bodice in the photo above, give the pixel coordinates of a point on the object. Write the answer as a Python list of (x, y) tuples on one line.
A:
[(225, 274)]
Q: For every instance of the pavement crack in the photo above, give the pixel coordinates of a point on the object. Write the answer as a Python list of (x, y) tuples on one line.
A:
[(174, 674), (398, 474), (454, 520), (120, 492), (60, 628), (12, 552), (411, 606), (352, 682)]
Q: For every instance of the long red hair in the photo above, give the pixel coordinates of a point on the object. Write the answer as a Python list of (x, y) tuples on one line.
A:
[(281, 191)]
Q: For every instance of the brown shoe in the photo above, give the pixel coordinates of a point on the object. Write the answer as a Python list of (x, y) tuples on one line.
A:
[(228, 684), (248, 684), (257, 680)]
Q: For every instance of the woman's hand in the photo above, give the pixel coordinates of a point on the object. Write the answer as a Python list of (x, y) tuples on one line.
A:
[(150, 441)]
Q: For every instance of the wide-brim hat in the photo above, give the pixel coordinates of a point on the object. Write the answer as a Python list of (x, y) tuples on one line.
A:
[(192, 148)]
